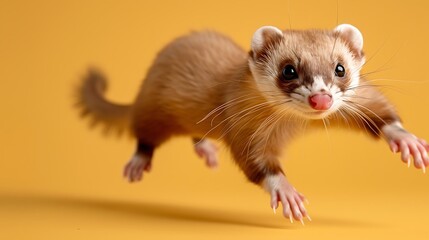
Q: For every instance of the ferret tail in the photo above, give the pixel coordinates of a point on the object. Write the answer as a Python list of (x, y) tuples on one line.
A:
[(93, 105)]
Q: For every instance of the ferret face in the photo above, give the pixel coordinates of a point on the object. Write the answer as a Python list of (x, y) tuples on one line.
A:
[(307, 72)]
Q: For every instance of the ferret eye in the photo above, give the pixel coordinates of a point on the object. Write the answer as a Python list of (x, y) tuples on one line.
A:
[(289, 73), (340, 71)]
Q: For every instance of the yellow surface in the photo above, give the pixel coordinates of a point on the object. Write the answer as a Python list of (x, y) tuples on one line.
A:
[(58, 180)]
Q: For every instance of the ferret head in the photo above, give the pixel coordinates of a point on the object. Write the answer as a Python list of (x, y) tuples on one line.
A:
[(307, 72)]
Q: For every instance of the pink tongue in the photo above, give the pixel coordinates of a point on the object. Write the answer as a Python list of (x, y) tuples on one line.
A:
[(320, 101)]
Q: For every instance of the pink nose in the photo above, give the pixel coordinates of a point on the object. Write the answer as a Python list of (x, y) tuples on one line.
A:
[(320, 101)]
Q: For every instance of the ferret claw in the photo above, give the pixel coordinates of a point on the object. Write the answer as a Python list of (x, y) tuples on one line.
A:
[(409, 162), (309, 218), (290, 218), (302, 222), (274, 210), (424, 169)]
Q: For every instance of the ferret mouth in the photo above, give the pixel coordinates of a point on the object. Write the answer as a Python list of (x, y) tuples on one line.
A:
[(317, 114), (307, 112)]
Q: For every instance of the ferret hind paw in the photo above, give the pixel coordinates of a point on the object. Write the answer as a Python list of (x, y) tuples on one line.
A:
[(133, 170), (207, 150)]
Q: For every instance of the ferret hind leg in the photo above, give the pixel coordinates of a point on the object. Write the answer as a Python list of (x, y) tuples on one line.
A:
[(207, 150), (139, 162)]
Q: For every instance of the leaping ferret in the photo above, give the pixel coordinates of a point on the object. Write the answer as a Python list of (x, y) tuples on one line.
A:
[(204, 85)]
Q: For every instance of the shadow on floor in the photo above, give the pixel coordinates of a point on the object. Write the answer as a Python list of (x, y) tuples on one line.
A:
[(145, 209), (172, 212)]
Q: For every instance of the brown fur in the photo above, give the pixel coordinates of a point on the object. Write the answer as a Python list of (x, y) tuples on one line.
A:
[(92, 104), (206, 76)]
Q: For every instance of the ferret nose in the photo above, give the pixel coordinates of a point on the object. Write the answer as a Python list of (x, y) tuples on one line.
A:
[(320, 101)]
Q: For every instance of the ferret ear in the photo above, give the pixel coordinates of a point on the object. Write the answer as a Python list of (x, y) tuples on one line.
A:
[(264, 38), (352, 35)]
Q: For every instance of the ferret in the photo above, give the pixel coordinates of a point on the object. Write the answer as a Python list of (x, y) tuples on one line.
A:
[(206, 86)]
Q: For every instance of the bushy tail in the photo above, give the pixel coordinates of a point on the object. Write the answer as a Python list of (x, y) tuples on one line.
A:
[(93, 105)]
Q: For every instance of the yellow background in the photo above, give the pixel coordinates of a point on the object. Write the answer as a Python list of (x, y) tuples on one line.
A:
[(58, 180)]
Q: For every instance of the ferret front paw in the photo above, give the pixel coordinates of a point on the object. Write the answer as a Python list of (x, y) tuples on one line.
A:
[(409, 145), (207, 150), (133, 170), (293, 201)]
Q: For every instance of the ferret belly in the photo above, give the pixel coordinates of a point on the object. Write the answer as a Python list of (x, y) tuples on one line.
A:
[(186, 82)]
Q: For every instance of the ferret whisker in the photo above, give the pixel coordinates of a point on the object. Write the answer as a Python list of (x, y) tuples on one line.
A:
[(390, 59), (337, 34), (367, 109), (362, 75), (387, 87), (326, 129), (352, 114), (275, 104), (271, 125), (268, 120), (226, 107), (232, 116), (261, 126), (340, 112), (356, 97), (367, 119), (366, 86), (288, 13), (241, 127), (338, 10), (251, 111), (228, 104), (378, 70), (375, 53), (344, 111), (221, 107), (382, 67), (273, 128), (397, 80)]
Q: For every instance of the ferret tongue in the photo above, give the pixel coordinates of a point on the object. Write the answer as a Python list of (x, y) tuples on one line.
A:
[(320, 101)]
